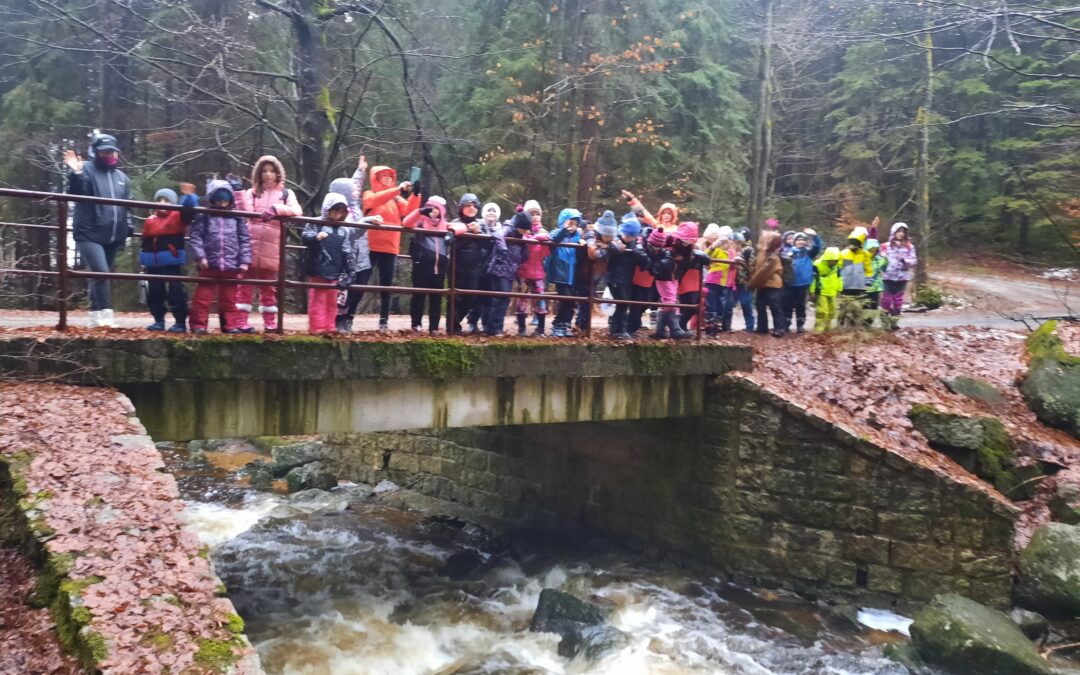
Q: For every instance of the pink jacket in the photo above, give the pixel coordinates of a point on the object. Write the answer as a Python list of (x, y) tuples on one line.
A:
[(266, 235), (533, 267)]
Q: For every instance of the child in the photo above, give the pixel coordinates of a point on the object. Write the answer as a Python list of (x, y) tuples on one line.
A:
[(530, 277), (623, 259), (743, 294), (826, 286), (430, 260), (766, 279), (163, 252), (720, 281), (855, 263), (392, 201), (662, 267), (330, 260), (351, 189), (900, 253), (502, 269), (878, 263), (666, 219), (471, 262), (269, 197), (598, 255), (802, 256), (222, 247), (560, 267), (688, 264)]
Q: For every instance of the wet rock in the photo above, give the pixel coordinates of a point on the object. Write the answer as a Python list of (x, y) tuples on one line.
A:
[(569, 617), (462, 564), (319, 500), (1050, 571), (979, 444), (261, 474), (594, 643), (293, 455), (310, 476), (843, 617), (1032, 624), (196, 457), (980, 390), (963, 636), (904, 653), (1052, 383), (1065, 502)]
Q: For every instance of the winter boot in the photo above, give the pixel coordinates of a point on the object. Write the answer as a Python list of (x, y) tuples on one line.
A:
[(677, 332), (618, 332), (157, 326), (559, 330), (384, 325), (521, 324), (107, 319), (662, 326), (339, 323), (540, 320)]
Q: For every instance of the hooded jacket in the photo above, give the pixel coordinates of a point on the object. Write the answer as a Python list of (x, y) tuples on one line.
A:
[(802, 262), (507, 256), (347, 188), (855, 265), (654, 221), (901, 257), (266, 235), (163, 236), (99, 223), (429, 249), (331, 257), (827, 279), (768, 268), (223, 241), (532, 269), (388, 203), (472, 254), (562, 261)]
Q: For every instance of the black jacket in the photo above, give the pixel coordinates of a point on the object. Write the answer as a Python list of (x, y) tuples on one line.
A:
[(623, 260), (333, 257), (99, 223)]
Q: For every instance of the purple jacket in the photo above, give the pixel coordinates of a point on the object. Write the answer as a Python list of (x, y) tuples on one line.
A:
[(506, 257), (223, 242), (902, 261)]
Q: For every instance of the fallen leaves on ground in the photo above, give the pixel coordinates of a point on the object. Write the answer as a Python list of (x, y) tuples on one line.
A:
[(104, 496)]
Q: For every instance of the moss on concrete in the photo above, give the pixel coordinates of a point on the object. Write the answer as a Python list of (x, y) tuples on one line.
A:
[(234, 623), (217, 655), (432, 359), (655, 359)]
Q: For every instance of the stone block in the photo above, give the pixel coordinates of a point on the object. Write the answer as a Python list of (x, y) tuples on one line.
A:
[(830, 487), (905, 527), (924, 586), (979, 565), (430, 464), (785, 482), (857, 519), (500, 465), (884, 579), (759, 504), (476, 460), (922, 557), (967, 532), (750, 477), (841, 573), (865, 549), (400, 461)]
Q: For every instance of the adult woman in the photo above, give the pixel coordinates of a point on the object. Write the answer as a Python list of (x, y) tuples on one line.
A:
[(268, 197), (99, 230)]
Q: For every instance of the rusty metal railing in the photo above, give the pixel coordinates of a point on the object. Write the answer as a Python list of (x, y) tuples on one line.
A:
[(64, 273)]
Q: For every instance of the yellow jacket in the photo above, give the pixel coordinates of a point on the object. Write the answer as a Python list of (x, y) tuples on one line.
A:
[(855, 265), (827, 279)]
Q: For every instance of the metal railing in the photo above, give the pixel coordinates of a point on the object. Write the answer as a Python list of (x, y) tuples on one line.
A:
[(64, 273)]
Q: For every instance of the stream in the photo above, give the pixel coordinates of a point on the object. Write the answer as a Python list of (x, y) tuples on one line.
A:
[(345, 582)]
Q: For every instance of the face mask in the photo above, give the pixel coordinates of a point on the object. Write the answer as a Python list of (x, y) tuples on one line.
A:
[(112, 161)]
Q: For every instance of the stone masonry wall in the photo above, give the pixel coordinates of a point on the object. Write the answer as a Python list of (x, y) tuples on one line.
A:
[(756, 487)]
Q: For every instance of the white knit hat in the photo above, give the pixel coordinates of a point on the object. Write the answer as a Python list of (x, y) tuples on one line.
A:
[(533, 205), (712, 232)]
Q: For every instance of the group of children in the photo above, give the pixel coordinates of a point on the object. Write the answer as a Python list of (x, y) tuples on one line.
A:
[(639, 257)]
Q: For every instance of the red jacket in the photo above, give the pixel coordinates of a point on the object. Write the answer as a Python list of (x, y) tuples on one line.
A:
[(266, 235), (533, 267), (389, 204)]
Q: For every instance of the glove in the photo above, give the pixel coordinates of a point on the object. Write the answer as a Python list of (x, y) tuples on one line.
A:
[(426, 211), (268, 214), (343, 282)]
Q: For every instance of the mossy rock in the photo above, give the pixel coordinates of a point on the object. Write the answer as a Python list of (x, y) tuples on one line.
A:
[(979, 444), (1052, 383), (1050, 571), (965, 637), (313, 476), (974, 388)]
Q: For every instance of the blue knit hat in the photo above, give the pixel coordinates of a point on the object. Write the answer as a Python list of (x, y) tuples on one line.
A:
[(631, 226), (606, 225), (169, 195)]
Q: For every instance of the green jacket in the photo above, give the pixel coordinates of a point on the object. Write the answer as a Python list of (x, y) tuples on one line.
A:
[(827, 280), (874, 283)]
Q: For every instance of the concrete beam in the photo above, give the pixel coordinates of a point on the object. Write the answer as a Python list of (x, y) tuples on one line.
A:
[(185, 410)]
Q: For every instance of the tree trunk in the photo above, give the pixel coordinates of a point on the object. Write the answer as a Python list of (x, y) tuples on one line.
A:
[(762, 142), (922, 187), (312, 123)]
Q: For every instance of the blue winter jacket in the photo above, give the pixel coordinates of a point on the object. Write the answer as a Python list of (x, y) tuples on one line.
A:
[(560, 265), (802, 262)]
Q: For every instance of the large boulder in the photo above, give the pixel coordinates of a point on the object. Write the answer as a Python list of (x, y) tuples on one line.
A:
[(1052, 383), (979, 444), (261, 474), (292, 455), (1050, 571), (963, 636), (569, 617), (313, 476)]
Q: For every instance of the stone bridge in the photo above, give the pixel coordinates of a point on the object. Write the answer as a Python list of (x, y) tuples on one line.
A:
[(665, 443)]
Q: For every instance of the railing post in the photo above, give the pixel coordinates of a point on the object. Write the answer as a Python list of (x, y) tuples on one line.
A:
[(589, 292), (62, 266), (283, 265), (700, 304), (451, 310)]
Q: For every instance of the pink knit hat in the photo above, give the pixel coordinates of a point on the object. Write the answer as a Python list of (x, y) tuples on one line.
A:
[(772, 224), (687, 232), (658, 238)]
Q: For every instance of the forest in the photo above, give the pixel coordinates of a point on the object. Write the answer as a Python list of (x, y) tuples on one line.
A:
[(959, 117)]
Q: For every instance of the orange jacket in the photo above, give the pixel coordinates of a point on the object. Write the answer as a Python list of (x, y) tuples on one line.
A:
[(389, 204)]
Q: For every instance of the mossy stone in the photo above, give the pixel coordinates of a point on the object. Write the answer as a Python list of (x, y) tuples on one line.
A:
[(966, 637), (1050, 571), (1052, 383), (980, 390)]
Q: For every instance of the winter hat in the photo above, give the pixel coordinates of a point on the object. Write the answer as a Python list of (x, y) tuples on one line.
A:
[(800, 235), (658, 238), (438, 202), (533, 205), (468, 198), (491, 206), (606, 225), (772, 224), (564, 215), (789, 233), (521, 221), (167, 194), (218, 189), (859, 234), (345, 188), (898, 226), (103, 142), (712, 232), (331, 200), (872, 244), (725, 232), (739, 236), (631, 226), (687, 232), (831, 253)]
